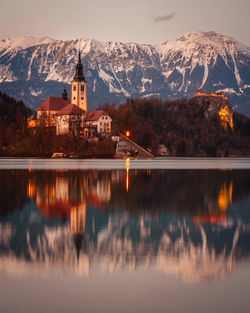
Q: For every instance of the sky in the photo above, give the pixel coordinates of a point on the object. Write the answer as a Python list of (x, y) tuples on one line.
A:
[(143, 21)]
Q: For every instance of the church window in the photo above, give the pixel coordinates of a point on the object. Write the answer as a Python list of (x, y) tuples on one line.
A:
[(82, 88), (82, 98), (74, 88), (74, 98)]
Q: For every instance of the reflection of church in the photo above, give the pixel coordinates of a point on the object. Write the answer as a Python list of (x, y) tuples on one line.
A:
[(67, 196), (54, 201), (78, 224), (78, 218)]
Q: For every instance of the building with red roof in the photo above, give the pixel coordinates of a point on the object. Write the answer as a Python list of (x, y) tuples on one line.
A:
[(46, 112), (70, 115), (70, 109), (70, 119), (100, 120), (53, 104)]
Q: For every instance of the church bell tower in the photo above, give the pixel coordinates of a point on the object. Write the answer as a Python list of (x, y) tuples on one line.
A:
[(79, 87)]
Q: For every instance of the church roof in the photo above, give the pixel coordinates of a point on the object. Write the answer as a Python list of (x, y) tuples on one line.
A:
[(53, 104), (71, 109), (95, 115)]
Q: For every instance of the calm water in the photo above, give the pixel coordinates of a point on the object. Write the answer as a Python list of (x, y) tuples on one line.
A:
[(129, 239)]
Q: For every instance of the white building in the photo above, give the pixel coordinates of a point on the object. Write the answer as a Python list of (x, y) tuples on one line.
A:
[(100, 120), (70, 120)]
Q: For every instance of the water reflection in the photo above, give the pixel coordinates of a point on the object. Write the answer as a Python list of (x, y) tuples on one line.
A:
[(195, 224)]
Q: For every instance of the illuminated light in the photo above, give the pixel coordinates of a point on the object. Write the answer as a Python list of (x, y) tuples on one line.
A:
[(32, 123), (127, 133), (223, 200), (225, 197), (127, 163), (127, 179), (31, 189), (127, 173), (226, 118), (231, 192)]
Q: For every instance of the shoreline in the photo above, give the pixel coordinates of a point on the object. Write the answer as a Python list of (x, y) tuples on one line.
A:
[(119, 164)]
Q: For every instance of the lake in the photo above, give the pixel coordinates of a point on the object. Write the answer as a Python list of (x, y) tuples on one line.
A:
[(115, 236)]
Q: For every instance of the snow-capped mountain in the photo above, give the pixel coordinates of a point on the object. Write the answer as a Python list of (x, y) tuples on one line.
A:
[(19, 43), (34, 68)]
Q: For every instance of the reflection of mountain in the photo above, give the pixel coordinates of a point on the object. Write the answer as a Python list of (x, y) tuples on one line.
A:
[(204, 237), (180, 248), (118, 242)]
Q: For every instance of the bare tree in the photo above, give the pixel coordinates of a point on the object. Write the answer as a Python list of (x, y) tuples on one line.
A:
[(75, 125)]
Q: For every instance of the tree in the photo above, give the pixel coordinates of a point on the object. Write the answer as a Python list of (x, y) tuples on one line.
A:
[(75, 125)]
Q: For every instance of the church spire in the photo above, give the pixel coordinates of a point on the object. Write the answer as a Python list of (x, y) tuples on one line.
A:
[(79, 70), (79, 87), (79, 57), (78, 244)]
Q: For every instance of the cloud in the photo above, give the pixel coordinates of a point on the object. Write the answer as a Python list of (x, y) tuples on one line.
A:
[(164, 18)]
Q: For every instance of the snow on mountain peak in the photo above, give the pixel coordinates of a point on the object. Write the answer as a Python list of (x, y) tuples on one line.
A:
[(84, 45), (191, 35), (212, 39), (24, 42), (210, 43), (176, 68)]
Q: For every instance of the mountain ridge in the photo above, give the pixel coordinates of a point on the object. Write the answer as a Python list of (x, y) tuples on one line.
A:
[(36, 40), (34, 68)]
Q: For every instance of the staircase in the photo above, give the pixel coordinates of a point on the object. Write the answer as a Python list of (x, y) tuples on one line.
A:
[(142, 153)]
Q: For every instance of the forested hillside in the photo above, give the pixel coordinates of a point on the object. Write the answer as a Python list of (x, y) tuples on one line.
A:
[(13, 119), (186, 127)]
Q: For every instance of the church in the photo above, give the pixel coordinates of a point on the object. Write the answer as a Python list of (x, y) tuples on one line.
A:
[(71, 116)]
